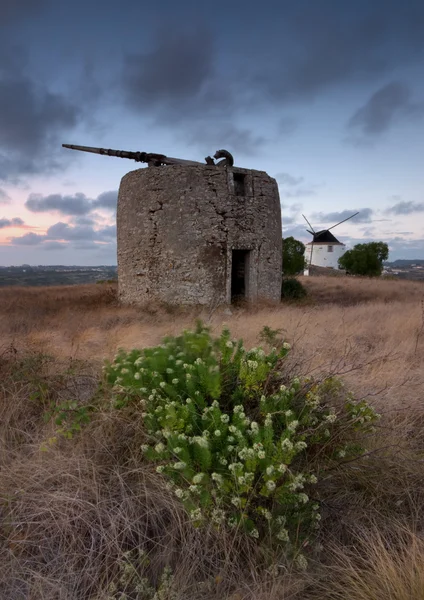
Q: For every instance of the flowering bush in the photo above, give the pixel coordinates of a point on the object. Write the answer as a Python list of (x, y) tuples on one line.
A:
[(236, 442)]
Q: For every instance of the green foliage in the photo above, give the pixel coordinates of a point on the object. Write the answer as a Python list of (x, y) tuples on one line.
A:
[(293, 256), (235, 441), (270, 336), (292, 289), (365, 259), (69, 416)]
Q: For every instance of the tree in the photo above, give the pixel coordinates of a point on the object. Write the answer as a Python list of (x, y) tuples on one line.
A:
[(365, 259), (293, 256)]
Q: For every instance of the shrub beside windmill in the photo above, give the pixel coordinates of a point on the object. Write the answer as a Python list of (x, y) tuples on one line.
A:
[(325, 249)]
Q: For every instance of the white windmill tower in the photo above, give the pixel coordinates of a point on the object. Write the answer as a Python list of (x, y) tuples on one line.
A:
[(325, 249)]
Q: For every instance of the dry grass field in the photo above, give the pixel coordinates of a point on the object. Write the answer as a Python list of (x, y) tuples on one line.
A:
[(70, 516)]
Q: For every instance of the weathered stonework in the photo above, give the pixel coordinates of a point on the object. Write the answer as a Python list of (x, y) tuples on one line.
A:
[(179, 230)]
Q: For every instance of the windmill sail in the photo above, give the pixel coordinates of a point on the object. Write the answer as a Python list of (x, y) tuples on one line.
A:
[(312, 232), (344, 221)]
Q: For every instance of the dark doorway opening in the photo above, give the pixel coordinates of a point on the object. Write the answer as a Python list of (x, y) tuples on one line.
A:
[(239, 274), (239, 184)]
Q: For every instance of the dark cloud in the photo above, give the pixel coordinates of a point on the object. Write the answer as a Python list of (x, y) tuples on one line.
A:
[(406, 208), (29, 239), (239, 140), (19, 10), (70, 205), (293, 208), (365, 216), (32, 119), (83, 221), (63, 232), (34, 116), (106, 200), (287, 126), (405, 248), (15, 222), (107, 232), (368, 231), (296, 207), (297, 231), (388, 103), (397, 233), (175, 79), (299, 193), (78, 204), (294, 187), (4, 197), (329, 43), (53, 246), (306, 49), (287, 179)]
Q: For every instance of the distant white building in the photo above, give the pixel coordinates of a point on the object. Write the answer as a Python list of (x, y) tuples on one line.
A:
[(324, 250)]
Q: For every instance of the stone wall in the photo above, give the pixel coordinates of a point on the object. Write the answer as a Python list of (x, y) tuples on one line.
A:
[(178, 226)]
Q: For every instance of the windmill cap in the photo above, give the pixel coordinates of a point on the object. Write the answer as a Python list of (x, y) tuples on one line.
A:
[(325, 237)]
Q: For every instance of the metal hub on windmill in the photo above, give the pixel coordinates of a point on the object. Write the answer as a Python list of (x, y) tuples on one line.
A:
[(196, 233), (325, 249)]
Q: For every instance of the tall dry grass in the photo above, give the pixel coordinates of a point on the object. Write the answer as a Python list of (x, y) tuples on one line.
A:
[(71, 517), (372, 331), (377, 567)]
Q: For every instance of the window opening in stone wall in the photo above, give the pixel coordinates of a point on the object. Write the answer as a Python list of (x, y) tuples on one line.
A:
[(239, 274), (239, 184), (330, 248)]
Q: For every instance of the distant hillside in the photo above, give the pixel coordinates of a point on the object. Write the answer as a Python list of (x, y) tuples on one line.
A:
[(404, 263), (40, 275)]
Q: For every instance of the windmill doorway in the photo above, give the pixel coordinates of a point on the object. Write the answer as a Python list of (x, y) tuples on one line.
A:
[(240, 267)]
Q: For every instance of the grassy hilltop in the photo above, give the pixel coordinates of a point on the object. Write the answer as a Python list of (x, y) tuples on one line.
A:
[(84, 514)]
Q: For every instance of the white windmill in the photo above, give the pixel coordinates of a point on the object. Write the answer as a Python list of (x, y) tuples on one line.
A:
[(325, 249)]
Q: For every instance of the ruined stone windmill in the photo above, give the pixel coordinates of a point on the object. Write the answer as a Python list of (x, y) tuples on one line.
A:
[(196, 233)]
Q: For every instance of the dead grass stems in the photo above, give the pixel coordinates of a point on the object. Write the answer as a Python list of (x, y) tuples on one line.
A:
[(72, 517)]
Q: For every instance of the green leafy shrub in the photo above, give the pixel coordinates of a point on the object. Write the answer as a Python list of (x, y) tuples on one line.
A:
[(365, 259), (236, 442), (292, 288), (293, 256)]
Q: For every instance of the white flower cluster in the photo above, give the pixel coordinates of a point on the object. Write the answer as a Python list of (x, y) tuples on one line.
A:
[(297, 483), (180, 466), (287, 445), (283, 535), (252, 364), (268, 420), (196, 514), (218, 516), (254, 427), (331, 418), (293, 425), (201, 441), (217, 478)]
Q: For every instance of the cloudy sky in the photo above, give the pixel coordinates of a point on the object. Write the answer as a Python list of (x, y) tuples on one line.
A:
[(325, 95)]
